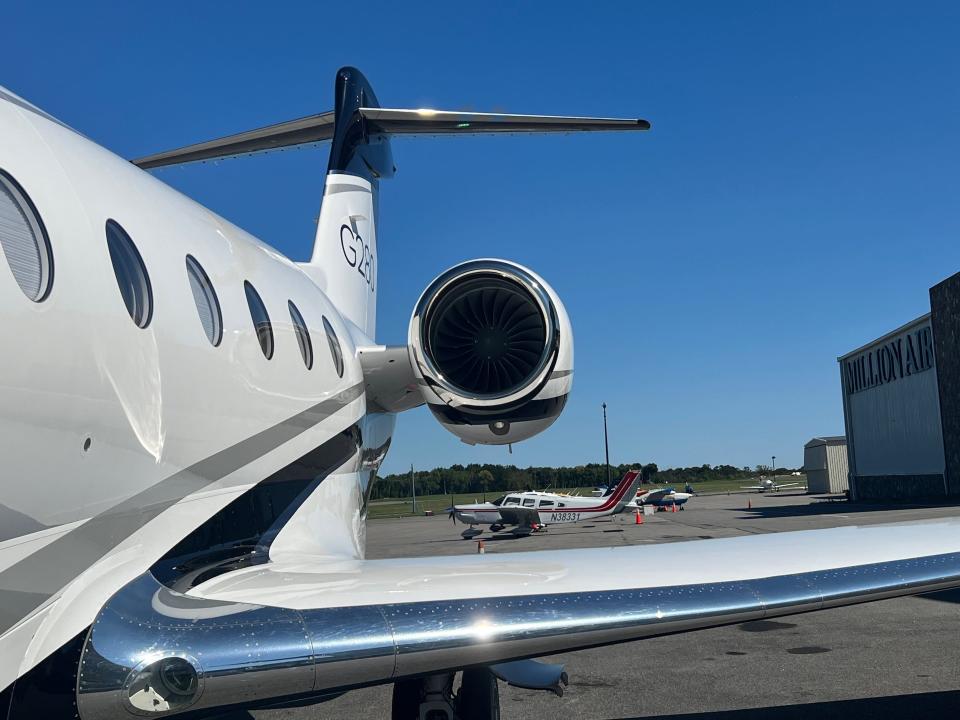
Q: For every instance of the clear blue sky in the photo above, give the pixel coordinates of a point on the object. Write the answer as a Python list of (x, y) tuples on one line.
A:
[(797, 196)]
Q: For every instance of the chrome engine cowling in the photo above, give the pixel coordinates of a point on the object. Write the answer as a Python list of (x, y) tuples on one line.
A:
[(492, 349)]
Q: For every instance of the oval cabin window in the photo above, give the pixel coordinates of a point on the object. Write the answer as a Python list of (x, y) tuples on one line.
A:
[(24, 240), (131, 274), (334, 344), (303, 334), (261, 321), (208, 307)]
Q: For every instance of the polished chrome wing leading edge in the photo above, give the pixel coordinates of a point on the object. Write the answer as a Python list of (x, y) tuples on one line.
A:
[(155, 652)]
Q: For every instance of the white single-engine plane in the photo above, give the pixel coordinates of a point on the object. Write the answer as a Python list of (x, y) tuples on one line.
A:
[(190, 423), (530, 511), (661, 498), (770, 485)]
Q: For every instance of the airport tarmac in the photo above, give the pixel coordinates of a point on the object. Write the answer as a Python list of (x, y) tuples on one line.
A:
[(890, 659)]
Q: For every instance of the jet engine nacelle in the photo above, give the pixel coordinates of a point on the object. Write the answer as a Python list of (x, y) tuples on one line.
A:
[(492, 349)]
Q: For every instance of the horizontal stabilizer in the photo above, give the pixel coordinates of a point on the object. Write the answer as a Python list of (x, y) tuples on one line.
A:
[(314, 128), (442, 122), (383, 121)]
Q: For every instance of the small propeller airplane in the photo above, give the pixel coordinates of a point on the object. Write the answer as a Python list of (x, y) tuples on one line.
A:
[(661, 498), (769, 485), (531, 511)]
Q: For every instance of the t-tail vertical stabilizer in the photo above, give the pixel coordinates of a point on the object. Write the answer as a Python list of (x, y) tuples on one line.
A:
[(344, 259)]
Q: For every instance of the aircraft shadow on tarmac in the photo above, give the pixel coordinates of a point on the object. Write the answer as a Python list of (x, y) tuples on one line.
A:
[(830, 505), (947, 596), (894, 707), (507, 535), (601, 525), (583, 529)]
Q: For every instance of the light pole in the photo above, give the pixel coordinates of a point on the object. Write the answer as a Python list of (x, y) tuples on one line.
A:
[(413, 489), (773, 467), (606, 443)]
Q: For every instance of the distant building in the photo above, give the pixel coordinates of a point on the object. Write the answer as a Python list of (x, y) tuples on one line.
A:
[(901, 406), (825, 463)]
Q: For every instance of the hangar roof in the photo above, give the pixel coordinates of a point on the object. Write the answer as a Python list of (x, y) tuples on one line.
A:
[(827, 440)]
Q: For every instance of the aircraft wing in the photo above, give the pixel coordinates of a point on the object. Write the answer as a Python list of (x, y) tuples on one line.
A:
[(524, 517), (327, 625), (447, 611)]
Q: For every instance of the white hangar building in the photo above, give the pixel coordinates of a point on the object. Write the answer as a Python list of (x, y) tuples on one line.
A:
[(901, 406)]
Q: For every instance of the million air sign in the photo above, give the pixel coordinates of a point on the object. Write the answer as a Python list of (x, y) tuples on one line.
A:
[(893, 359)]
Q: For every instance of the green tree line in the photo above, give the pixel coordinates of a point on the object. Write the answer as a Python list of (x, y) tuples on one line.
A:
[(475, 478)]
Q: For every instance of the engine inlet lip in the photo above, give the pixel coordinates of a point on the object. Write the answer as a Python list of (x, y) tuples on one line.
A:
[(532, 287)]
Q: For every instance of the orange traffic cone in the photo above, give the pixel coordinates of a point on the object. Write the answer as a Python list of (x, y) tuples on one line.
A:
[(749, 506), (639, 518), (673, 507), (480, 547)]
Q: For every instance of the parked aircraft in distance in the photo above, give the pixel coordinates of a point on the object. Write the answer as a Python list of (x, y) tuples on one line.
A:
[(191, 423), (532, 510), (661, 498), (769, 485)]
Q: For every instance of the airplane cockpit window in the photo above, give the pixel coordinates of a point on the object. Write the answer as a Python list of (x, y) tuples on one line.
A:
[(131, 273), (528, 502), (512, 500), (261, 321), (334, 344), (208, 307), (303, 335), (24, 240), (546, 503)]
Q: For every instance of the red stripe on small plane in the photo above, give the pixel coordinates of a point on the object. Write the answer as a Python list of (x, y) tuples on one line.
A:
[(617, 495), (620, 491)]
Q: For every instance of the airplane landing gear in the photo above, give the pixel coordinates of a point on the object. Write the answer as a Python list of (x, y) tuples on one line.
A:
[(432, 698), (479, 696)]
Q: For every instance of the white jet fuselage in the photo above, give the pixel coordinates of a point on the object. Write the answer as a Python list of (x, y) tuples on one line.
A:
[(96, 412)]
